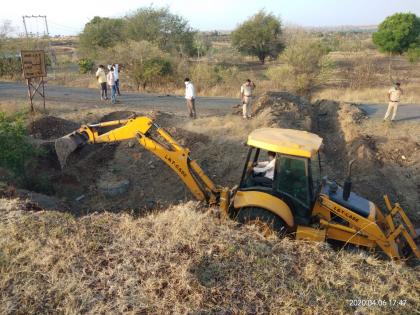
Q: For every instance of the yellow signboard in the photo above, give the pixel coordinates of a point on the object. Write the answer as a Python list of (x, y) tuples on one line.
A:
[(33, 63)]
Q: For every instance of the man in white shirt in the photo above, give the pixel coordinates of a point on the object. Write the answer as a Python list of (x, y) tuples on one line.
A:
[(190, 97), (394, 97), (247, 90), (264, 171), (111, 82), (117, 78)]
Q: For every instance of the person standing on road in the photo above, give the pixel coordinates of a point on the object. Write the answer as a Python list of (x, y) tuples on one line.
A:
[(190, 97), (247, 90), (111, 82), (101, 77), (394, 97), (117, 78)]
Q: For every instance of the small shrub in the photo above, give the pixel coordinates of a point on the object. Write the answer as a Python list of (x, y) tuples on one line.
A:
[(205, 75), (413, 54), (85, 65), (15, 149)]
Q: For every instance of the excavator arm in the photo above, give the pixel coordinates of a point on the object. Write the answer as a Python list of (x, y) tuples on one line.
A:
[(156, 140)]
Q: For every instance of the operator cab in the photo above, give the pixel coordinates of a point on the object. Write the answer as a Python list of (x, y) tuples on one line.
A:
[(297, 172)]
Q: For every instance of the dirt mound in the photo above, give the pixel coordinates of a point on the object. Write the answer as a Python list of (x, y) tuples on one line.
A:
[(50, 127), (117, 115), (286, 110)]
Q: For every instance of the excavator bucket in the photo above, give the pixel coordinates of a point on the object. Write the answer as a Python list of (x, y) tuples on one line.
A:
[(66, 145), (401, 231)]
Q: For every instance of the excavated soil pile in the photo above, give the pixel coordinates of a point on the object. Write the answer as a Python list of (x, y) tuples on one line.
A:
[(285, 110), (50, 127)]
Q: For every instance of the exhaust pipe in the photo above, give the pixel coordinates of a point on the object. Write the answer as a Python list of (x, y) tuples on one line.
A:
[(347, 182)]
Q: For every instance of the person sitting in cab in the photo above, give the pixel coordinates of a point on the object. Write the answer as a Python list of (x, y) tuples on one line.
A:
[(263, 172)]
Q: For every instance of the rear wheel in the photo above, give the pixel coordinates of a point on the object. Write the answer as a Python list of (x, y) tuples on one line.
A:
[(267, 223)]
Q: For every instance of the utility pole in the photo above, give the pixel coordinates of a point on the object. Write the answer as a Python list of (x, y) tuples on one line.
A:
[(24, 24)]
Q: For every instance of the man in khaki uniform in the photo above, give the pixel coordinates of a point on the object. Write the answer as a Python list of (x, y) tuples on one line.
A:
[(247, 90), (394, 97)]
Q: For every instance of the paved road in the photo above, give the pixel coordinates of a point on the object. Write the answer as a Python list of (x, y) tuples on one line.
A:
[(405, 112), (83, 97)]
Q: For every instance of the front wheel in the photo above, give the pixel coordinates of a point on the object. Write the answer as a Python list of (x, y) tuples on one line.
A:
[(267, 222)]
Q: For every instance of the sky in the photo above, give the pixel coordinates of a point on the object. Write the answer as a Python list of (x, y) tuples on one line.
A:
[(69, 17)]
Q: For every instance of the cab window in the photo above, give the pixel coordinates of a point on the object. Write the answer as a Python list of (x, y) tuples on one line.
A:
[(292, 178)]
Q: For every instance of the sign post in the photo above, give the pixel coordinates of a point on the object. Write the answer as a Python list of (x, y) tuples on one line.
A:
[(33, 66)]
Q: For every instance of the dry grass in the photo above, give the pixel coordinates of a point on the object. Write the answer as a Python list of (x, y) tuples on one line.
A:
[(368, 95), (182, 261)]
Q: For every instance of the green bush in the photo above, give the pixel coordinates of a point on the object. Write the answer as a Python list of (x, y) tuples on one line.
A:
[(10, 66), (305, 67), (413, 53), (15, 149), (205, 75), (85, 65)]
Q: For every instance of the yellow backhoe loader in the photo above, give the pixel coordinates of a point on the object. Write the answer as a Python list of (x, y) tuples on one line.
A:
[(296, 202)]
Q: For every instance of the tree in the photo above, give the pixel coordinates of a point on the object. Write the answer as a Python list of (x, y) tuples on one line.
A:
[(306, 66), (143, 62), (396, 34), (169, 31), (101, 33), (259, 36), (202, 44)]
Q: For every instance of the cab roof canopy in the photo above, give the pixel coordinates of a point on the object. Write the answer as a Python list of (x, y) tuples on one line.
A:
[(286, 141)]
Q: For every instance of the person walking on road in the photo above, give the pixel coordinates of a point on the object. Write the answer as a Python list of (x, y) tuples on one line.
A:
[(247, 90), (101, 77), (117, 78), (111, 82), (190, 97), (394, 97)]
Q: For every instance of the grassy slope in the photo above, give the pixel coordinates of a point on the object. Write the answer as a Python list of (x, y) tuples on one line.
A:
[(181, 261)]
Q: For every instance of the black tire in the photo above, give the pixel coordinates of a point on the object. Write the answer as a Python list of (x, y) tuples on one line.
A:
[(251, 215)]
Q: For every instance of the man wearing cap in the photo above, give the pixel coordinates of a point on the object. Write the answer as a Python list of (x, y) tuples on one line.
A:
[(394, 96), (190, 97), (246, 97)]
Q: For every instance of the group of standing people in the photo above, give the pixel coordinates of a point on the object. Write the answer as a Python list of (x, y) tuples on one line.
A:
[(112, 79), (247, 91)]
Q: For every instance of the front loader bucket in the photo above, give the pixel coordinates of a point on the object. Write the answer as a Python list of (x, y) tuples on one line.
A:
[(401, 232), (64, 146)]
